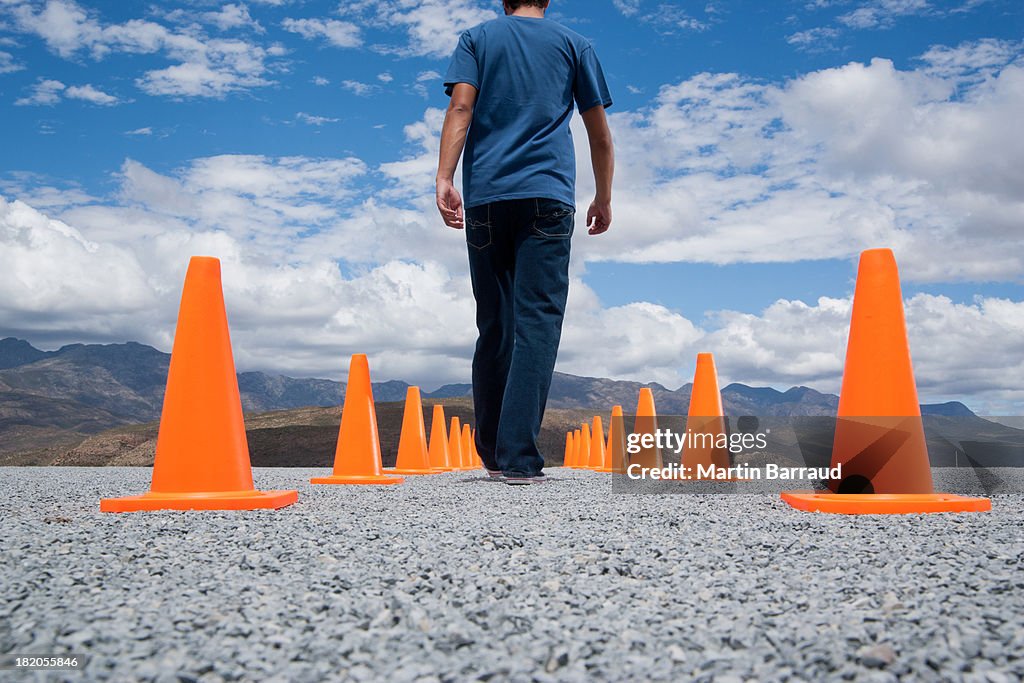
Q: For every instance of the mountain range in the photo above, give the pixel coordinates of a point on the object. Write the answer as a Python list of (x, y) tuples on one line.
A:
[(55, 399)]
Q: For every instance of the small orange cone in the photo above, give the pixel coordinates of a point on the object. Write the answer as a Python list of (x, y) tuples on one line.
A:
[(467, 449), (455, 444), (577, 448), (357, 457), (438, 450), (202, 456), (705, 423), (879, 440), (596, 461), (646, 423), (567, 458), (617, 442), (586, 443), (413, 457), (478, 462)]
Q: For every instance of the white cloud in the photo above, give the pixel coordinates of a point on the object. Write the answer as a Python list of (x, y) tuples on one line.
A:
[(385, 77), (140, 131), (971, 61), (627, 7), (883, 13), (432, 27), (426, 76), (48, 266), (337, 33), (814, 39), (314, 120), (88, 93), (358, 88), (45, 92), (7, 63), (232, 16), (321, 81), (49, 92), (205, 67)]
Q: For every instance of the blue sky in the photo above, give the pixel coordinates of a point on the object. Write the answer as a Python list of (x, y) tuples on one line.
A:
[(761, 147)]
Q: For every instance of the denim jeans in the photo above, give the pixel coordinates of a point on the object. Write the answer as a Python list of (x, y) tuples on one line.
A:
[(519, 264)]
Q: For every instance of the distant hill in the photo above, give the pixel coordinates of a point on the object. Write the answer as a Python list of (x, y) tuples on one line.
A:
[(54, 398)]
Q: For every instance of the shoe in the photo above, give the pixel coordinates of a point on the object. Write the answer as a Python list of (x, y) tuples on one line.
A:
[(494, 474), (516, 479)]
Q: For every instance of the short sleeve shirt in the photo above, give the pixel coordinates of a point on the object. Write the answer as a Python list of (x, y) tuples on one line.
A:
[(528, 73)]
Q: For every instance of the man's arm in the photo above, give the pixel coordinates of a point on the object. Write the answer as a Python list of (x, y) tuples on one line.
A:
[(453, 140), (602, 156)]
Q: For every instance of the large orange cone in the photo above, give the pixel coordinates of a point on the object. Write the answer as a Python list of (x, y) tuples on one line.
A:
[(567, 458), (467, 449), (202, 456), (707, 440), (413, 457), (438, 450), (617, 442), (455, 444), (577, 448), (879, 439), (646, 423), (596, 461), (357, 458)]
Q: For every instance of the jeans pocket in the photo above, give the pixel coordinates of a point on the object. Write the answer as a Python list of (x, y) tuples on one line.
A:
[(554, 219), (478, 226)]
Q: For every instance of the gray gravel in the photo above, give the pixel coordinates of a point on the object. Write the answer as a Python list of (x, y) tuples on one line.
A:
[(456, 578)]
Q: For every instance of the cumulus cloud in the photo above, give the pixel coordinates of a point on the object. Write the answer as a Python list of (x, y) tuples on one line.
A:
[(432, 27), (336, 33), (204, 66)]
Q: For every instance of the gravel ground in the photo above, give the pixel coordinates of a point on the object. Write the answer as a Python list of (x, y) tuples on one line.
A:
[(456, 578)]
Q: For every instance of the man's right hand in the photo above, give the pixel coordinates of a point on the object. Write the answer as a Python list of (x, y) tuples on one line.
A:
[(599, 216), (449, 203)]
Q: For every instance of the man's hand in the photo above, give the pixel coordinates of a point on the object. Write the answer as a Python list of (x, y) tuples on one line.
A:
[(449, 203), (599, 216)]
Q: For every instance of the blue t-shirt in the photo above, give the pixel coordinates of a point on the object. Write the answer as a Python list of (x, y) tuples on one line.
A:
[(527, 72)]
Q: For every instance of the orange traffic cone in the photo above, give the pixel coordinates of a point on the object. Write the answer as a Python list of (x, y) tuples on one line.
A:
[(879, 440), (567, 458), (477, 460), (467, 449), (577, 447), (646, 423), (413, 457), (357, 457), (455, 444), (596, 461), (440, 460), (617, 442), (707, 440), (202, 456), (586, 443)]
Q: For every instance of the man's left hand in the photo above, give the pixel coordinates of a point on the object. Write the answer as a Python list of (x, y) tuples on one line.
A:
[(449, 203)]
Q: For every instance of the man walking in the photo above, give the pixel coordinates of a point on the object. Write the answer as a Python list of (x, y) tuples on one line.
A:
[(512, 83)]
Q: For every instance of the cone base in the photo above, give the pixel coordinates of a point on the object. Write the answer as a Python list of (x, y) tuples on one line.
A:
[(883, 503), (439, 470), (378, 479), (409, 470), (215, 500)]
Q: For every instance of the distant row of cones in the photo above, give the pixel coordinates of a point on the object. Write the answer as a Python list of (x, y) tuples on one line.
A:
[(586, 448), (357, 459)]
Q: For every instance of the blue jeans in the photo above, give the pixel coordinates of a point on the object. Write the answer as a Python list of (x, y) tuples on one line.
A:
[(519, 264)]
